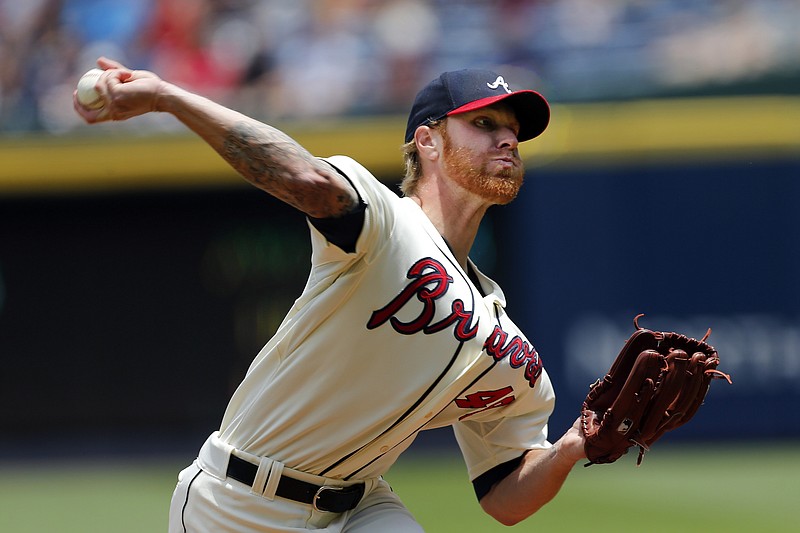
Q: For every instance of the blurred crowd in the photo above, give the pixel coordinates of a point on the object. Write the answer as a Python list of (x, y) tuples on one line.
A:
[(306, 59)]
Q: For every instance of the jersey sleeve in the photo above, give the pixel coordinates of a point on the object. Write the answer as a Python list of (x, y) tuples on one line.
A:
[(375, 216), (488, 444)]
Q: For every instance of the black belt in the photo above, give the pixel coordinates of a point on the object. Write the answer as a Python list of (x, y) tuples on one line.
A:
[(322, 498)]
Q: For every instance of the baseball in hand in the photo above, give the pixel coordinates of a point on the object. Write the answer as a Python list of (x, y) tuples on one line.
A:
[(87, 95)]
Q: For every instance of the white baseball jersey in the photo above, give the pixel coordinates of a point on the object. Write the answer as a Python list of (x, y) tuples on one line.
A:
[(386, 341)]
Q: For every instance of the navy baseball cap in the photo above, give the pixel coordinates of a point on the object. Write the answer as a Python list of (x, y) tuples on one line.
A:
[(469, 89)]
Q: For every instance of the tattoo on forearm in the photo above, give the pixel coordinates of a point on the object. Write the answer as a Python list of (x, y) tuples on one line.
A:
[(270, 159), (265, 156)]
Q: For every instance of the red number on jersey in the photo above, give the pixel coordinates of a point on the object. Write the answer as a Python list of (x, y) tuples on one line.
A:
[(485, 400)]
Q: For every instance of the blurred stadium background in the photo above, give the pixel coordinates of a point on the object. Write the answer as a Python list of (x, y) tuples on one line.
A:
[(138, 275)]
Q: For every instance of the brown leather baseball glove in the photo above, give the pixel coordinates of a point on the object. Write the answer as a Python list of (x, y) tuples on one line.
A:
[(656, 384)]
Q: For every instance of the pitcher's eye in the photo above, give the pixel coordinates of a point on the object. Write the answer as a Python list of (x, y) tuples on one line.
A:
[(484, 123)]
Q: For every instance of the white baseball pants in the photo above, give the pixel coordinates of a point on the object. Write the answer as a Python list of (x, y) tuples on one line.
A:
[(205, 501)]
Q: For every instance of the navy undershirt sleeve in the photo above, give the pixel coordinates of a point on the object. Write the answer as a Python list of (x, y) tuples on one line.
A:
[(484, 483), (343, 231)]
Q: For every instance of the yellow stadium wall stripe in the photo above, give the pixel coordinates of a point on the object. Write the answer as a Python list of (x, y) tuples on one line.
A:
[(659, 131)]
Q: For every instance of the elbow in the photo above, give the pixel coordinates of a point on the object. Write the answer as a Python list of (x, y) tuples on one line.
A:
[(327, 199), (508, 521), (503, 512)]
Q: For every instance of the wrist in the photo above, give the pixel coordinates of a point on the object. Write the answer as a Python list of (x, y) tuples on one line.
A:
[(161, 97), (570, 448)]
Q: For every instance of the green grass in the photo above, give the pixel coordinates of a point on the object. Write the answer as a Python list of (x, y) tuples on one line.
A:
[(706, 489), (677, 489), (86, 498)]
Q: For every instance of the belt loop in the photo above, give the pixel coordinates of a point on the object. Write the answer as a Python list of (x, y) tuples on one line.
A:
[(259, 486), (275, 474)]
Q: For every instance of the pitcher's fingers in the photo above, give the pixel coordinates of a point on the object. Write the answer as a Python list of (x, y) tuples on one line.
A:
[(106, 63), (91, 116)]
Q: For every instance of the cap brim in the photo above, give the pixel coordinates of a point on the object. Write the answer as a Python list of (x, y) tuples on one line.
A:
[(531, 108)]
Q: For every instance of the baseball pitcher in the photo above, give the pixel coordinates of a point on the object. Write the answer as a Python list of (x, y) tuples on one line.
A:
[(396, 331)]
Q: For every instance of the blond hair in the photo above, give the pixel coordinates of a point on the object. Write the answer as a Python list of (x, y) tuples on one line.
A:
[(412, 163)]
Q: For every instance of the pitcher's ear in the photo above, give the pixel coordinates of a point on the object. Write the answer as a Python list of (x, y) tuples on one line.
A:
[(429, 142)]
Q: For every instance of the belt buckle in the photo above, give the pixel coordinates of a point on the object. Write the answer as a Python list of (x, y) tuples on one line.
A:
[(315, 501)]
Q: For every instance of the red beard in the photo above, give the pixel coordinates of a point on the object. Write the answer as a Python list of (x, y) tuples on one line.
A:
[(498, 186)]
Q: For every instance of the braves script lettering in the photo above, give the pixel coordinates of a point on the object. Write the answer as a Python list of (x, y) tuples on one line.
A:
[(430, 282), (520, 353)]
